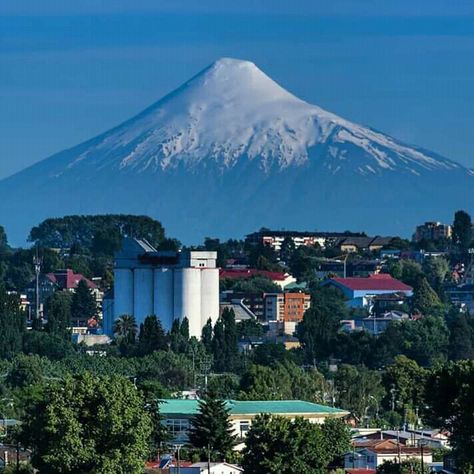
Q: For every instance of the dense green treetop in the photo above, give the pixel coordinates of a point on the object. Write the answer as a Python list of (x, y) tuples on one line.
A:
[(100, 232), (88, 424), (449, 395), (462, 230)]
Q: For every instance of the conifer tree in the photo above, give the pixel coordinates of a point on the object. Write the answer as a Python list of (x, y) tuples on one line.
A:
[(460, 338), (12, 324), (211, 428), (152, 336), (206, 335), (425, 298), (58, 313), (84, 305)]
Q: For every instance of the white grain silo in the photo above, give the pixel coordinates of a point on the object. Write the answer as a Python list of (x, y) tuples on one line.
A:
[(164, 296), (187, 298), (209, 290), (123, 292), (142, 294), (170, 285)]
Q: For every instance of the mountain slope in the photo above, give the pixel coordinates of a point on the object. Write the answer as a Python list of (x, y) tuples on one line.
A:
[(229, 151)]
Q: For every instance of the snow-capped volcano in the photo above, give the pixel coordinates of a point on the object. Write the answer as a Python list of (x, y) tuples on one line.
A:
[(232, 110), (232, 142)]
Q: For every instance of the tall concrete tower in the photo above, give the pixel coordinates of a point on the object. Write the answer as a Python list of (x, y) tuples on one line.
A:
[(170, 285)]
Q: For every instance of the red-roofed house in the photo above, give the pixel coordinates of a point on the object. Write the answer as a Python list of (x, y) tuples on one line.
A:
[(373, 453), (279, 278), (68, 280), (359, 290)]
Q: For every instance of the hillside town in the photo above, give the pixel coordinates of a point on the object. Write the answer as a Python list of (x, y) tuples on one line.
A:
[(346, 338)]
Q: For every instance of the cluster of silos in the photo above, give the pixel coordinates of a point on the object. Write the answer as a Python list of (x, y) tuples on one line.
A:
[(190, 289)]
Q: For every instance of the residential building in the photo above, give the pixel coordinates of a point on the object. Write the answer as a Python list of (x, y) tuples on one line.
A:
[(360, 291), (61, 280), (177, 414), (279, 278), (411, 438), (327, 268), (275, 238), (203, 468), (362, 243), (241, 310), (371, 454), (171, 285), (432, 231), (286, 306), (376, 325), (252, 301), (285, 310)]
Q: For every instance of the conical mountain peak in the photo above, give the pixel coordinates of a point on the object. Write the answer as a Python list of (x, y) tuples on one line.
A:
[(232, 142)]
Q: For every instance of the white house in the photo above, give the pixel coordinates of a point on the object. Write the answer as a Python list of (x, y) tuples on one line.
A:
[(202, 468), (373, 453)]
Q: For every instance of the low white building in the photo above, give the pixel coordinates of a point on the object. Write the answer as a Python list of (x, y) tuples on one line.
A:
[(371, 454), (203, 468)]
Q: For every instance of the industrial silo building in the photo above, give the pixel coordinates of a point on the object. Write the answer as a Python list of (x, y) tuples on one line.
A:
[(171, 285)]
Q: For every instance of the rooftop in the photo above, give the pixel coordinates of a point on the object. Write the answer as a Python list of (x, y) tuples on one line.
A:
[(377, 282), (249, 272), (253, 407)]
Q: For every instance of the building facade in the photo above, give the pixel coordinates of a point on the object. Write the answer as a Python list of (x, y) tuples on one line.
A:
[(177, 414), (432, 231), (289, 307), (171, 285)]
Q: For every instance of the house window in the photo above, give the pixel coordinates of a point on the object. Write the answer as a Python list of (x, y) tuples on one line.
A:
[(244, 427), (177, 426)]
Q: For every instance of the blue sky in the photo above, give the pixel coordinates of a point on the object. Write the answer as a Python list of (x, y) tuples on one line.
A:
[(70, 70)]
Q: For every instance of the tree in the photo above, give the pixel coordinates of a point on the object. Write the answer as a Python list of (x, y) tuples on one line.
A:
[(12, 324), (152, 336), (321, 322), (277, 444), (449, 393), (44, 344), (58, 313), (88, 424), (425, 298), (406, 270), (462, 230), (408, 466), (25, 371), (404, 382), (125, 327), (64, 232), (460, 338), (225, 342), (424, 340), (83, 305), (337, 436), (206, 336), (358, 390), (179, 335), (211, 428)]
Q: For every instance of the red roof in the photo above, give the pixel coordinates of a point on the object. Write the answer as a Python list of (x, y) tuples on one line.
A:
[(68, 280), (380, 282), (234, 273)]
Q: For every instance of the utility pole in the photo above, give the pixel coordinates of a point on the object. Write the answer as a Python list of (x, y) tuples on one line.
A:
[(177, 448), (37, 261)]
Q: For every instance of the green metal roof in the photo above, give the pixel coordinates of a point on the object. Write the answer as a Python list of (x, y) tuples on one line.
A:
[(252, 407)]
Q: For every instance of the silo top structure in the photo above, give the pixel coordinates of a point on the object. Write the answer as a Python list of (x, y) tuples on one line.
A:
[(171, 285)]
